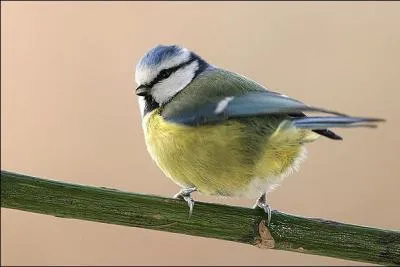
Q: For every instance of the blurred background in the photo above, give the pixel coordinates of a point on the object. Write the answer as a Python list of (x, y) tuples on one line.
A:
[(69, 112)]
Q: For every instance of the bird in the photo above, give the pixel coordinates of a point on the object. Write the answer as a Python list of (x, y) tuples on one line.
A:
[(220, 133)]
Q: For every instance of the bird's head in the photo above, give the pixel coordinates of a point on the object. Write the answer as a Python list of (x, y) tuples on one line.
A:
[(165, 70)]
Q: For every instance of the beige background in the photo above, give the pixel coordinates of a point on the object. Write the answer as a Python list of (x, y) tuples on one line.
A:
[(68, 112)]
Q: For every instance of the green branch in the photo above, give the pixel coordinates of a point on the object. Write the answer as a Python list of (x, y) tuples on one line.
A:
[(286, 232)]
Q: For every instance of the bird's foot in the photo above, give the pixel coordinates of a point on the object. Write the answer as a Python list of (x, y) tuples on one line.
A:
[(185, 194), (262, 203)]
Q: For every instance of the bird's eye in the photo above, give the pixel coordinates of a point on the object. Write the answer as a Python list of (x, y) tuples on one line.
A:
[(165, 73)]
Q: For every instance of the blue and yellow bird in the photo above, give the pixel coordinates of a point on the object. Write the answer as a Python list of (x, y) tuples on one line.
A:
[(219, 133)]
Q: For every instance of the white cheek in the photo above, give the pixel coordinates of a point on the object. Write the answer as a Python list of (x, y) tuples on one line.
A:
[(142, 104), (147, 74), (144, 76), (166, 89)]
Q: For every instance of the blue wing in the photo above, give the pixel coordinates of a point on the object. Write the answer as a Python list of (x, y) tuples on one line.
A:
[(251, 104), (218, 95)]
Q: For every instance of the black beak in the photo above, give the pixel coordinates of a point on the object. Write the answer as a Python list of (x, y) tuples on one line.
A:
[(142, 90)]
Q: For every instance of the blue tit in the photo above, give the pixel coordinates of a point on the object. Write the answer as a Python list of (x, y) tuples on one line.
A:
[(219, 133)]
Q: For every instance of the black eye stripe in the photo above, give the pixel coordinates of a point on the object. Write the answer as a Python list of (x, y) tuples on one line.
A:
[(165, 73)]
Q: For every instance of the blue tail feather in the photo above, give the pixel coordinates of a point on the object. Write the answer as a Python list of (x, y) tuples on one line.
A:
[(316, 123)]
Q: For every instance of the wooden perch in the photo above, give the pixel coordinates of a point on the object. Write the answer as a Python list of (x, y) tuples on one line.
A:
[(286, 232)]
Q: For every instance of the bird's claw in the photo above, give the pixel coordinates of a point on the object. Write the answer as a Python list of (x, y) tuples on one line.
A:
[(185, 195), (262, 203), (189, 200), (267, 210)]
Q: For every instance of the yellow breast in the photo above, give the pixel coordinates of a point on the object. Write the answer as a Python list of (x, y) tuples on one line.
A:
[(213, 159)]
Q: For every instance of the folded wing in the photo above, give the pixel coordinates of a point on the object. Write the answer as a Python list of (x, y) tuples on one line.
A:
[(261, 103)]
